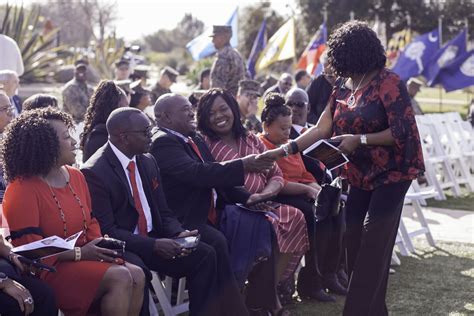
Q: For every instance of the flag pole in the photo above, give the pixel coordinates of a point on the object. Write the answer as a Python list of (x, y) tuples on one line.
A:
[(440, 31)]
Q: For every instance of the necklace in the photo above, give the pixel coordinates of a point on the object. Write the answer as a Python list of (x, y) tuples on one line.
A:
[(352, 99), (61, 212)]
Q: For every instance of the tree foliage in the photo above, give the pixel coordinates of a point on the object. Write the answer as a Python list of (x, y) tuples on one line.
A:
[(423, 14), (166, 40)]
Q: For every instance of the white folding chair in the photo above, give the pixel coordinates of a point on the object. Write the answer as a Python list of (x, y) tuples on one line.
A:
[(453, 146), (163, 290), (439, 170), (415, 198)]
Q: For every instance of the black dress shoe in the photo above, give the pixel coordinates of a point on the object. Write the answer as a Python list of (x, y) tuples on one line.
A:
[(335, 287), (319, 295)]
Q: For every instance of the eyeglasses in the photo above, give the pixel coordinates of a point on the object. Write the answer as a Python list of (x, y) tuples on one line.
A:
[(297, 104), (147, 132), (6, 109)]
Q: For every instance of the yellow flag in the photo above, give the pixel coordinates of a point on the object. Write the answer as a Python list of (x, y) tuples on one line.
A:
[(281, 46)]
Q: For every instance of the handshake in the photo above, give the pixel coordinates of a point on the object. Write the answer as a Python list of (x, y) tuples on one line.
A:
[(258, 163)]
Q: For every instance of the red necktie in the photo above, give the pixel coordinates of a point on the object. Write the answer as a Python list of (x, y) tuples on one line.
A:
[(212, 214), (304, 129), (142, 226)]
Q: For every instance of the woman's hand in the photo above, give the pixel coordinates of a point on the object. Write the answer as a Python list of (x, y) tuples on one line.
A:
[(91, 252), (348, 143), (271, 155), (20, 294), (256, 197), (5, 252)]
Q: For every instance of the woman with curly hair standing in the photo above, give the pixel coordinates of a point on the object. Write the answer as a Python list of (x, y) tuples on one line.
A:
[(370, 113), (106, 98), (46, 197)]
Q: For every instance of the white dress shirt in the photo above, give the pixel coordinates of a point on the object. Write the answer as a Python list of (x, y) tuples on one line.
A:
[(124, 161), (298, 128)]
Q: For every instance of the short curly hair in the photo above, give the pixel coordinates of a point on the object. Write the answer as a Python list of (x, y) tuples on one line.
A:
[(354, 48), (274, 106), (204, 110), (30, 143), (104, 100)]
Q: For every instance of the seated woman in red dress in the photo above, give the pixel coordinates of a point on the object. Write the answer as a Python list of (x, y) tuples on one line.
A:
[(46, 197), (219, 120)]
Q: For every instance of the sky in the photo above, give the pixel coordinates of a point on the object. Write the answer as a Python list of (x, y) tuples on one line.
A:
[(141, 17)]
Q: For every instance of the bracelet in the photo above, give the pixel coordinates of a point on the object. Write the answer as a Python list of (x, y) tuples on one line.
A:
[(77, 253), (294, 147), (285, 150)]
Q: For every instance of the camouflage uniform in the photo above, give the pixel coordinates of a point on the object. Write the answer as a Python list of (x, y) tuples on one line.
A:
[(76, 96), (157, 92), (228, 69), (252, 124)]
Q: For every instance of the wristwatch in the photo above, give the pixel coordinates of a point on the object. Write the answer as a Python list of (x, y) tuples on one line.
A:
[(363, 139), (3, 277)]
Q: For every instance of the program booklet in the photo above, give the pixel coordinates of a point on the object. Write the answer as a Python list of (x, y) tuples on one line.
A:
[(327, 153), (47, 247)]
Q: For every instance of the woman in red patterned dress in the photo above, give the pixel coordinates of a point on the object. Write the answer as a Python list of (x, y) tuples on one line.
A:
[(219, 120), (47, 197), (370, 113)]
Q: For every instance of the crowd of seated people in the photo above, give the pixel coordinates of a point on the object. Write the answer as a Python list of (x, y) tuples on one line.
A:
[(189, 170)]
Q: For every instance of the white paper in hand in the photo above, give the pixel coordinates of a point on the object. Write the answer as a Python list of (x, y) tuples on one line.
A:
[(47, 247)]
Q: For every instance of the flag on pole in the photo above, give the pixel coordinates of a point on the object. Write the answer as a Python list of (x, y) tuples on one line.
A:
[(281, 46), (257, 47), (396, 44), (417, 55), (309, 60), (459, 74), (202, 47), (445, 56)]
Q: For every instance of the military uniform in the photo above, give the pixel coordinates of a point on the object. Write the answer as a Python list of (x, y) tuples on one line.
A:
[(157, 92), (76, 96), (253, 124), (227, 70)]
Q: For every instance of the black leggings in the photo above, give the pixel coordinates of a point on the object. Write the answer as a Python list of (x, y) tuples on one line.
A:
[(372, 219)]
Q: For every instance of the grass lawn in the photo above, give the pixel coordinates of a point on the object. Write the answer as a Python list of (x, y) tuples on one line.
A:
[(434, 281), (429, 100), (464, 202)]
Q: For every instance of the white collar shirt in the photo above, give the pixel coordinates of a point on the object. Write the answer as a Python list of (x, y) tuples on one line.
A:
[(124, 161)]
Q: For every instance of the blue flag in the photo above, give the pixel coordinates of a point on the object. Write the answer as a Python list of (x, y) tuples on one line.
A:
[(444, 57), (202, 47), (416, 55), (459, 74), (257, 47)]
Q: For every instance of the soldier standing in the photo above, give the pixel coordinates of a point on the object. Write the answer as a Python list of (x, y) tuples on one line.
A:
[(228, 68), (77, 92)]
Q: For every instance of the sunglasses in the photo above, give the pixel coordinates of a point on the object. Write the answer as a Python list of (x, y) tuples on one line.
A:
[(297, 104)]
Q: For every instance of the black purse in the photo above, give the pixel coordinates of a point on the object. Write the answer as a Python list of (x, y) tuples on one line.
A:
[(113, 244), (328, 201)]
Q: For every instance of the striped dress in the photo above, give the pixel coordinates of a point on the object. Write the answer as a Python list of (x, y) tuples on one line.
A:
[(290, 228)]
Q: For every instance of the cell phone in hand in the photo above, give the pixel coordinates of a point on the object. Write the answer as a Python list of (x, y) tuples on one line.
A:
[(189, 242)]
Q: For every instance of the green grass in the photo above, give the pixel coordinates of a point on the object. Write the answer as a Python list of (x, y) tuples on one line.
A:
[(434, 281), (464, 202), (447, 100)]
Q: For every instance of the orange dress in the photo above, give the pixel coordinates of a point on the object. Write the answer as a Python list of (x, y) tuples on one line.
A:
[(30, 203)]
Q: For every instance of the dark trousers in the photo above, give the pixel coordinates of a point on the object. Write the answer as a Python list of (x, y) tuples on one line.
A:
[(325, 240), (199, 268), (372, 222), (43, 295), (228, 294)]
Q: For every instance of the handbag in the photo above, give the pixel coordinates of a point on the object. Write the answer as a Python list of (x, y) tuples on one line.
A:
[(328, 200), (113, 244)]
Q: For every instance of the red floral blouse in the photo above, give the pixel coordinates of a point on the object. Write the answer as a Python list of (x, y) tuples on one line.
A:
[(383, 103)]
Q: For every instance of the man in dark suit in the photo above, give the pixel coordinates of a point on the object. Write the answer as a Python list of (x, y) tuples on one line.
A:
[(191, 178), (129, 203)]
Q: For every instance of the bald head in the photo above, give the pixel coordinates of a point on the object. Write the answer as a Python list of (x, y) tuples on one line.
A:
[(175, 112), (120, 120), (297, 99), (285, 82)]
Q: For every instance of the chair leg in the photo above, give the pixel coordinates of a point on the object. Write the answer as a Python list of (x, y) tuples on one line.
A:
[(424, 223), (406, 236)]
